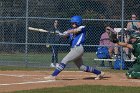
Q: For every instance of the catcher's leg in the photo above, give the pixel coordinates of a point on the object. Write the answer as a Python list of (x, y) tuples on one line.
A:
[(133, 75), (134, 72)]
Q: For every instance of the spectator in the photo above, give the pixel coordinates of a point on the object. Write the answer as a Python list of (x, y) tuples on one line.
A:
[(105, 41), (132, 27)]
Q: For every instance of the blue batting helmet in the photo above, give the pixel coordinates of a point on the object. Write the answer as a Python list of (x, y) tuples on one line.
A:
[(77, 20)]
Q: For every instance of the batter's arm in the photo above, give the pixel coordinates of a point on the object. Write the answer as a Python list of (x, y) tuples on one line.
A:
[(76, 30)]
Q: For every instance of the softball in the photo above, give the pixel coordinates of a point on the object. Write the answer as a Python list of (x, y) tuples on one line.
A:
[(47, 45)]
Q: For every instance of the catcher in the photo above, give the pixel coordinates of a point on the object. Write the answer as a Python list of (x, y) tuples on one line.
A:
[(133, 72)]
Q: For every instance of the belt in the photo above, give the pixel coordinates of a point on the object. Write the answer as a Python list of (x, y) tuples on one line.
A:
[(76, 46)]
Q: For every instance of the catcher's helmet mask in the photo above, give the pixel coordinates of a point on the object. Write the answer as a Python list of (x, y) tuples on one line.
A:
[(135, 36)]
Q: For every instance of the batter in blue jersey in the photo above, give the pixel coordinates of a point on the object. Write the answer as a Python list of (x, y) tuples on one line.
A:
[(77, 39), (76, 36)]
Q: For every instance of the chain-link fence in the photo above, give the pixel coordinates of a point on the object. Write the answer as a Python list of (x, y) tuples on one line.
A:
[(22, 47)]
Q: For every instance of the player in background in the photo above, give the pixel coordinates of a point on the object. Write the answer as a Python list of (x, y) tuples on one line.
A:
[(56, 40), (76, 35)]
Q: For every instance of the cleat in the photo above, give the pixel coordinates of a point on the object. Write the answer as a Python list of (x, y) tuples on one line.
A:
[(52, 65), (50, 77), (100, 76)]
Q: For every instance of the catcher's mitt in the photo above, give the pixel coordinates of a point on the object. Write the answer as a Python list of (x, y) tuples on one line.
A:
[(113, 38)]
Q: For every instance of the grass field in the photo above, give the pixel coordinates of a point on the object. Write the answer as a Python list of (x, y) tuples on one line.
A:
[(88, 60), (85, 89), (41, 58)]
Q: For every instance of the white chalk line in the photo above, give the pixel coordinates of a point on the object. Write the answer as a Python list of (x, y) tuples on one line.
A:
[(17, 75), (47, 81), (37, 82), (64, 71), (23, 75), (30, 82), (33, 82)]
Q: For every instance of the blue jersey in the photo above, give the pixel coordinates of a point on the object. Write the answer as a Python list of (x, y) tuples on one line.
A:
[(78, 38)]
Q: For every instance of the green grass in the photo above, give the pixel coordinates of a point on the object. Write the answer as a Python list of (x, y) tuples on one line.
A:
[(11, 68), (40, 58), (45, 58), (85, 89)]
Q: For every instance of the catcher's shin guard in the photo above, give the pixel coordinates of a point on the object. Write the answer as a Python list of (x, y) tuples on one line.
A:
[(133, 75)]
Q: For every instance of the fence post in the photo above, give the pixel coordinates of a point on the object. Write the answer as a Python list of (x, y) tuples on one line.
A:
[(122, 31), (26, 42)]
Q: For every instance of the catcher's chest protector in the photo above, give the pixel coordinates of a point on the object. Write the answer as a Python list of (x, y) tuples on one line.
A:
[(136, 50)]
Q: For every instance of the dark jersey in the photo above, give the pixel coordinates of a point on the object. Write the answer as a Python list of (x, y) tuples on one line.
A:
[(53, 38), (136, 49)]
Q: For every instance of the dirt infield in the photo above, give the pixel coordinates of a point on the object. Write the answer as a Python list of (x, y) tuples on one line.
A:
[(25, 80)]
